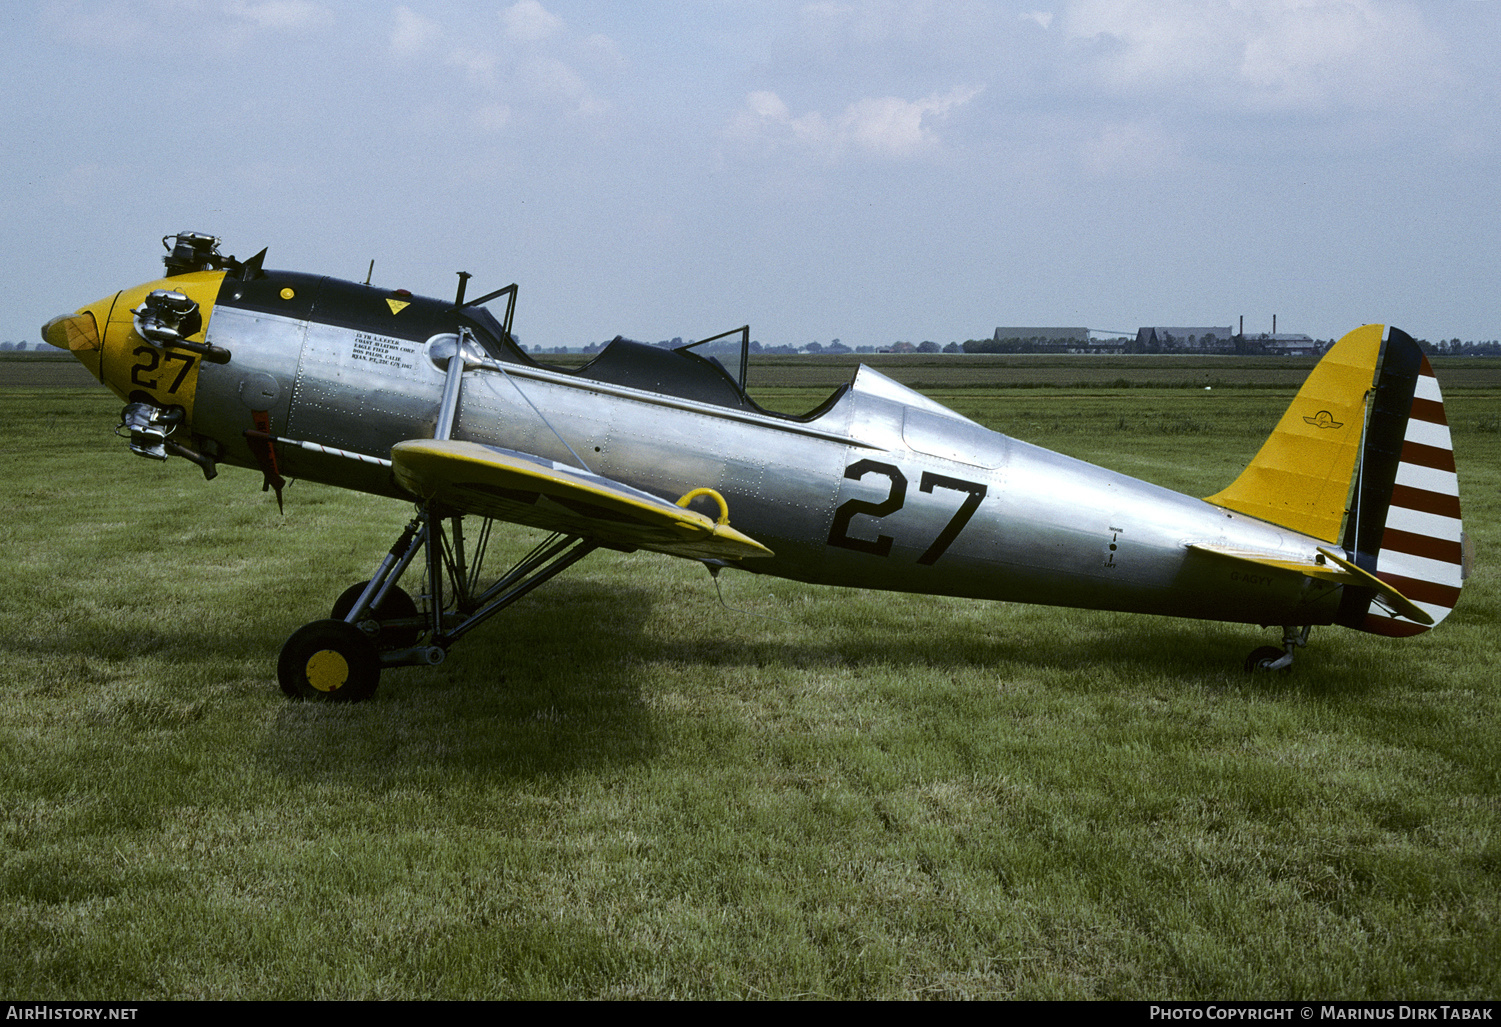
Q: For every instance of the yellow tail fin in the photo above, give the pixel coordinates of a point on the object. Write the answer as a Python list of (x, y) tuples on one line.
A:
[(1301, 478)]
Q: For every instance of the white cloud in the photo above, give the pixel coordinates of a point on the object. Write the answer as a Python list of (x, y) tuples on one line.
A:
[(887, 22), (1308, 55), (556, 82), (1043, 18), (528, 69), (413, 33), (280, 15), (895, 127), (478, 65), (886, 126), (529, 22), (765, 120)]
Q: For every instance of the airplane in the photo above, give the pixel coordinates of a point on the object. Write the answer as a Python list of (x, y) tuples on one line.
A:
[(1349, 514)]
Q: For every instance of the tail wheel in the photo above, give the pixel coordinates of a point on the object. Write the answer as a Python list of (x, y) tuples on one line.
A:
[(329, 661), (396, 606)]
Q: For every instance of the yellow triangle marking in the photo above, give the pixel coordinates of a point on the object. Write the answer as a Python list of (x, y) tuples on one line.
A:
[(397, 306)]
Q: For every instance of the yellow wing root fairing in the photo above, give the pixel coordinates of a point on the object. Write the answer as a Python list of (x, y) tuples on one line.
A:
[(523, 489), (1301, 479)]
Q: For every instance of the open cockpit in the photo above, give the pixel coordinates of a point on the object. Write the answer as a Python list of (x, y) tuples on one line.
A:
[(680, 372)]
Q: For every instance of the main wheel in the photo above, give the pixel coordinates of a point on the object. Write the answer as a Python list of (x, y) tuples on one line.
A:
[(329, 661), (396, 606), (1263, 657)]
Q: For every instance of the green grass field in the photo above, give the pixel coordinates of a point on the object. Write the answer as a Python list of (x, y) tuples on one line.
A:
[(621, 788)]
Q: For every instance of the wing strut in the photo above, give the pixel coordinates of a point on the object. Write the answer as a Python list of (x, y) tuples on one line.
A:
[(467, 355)]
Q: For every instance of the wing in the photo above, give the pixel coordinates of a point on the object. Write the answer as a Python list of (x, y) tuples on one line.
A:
[(539, 493)]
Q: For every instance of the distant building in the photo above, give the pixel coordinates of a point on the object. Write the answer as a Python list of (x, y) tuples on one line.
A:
[(1286, 344), (1175, 340), (1106, 346)]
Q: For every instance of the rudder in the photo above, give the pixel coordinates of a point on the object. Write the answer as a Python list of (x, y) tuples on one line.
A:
[(1404, 525)]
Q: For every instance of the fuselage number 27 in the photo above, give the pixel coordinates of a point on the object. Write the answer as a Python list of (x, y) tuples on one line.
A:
[(896, 496)]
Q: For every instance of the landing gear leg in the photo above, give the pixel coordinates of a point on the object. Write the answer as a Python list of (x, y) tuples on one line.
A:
[(1271, 658), (375, 624), (392, 623)]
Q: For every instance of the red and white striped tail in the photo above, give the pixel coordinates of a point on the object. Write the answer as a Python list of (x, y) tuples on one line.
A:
[(1422, 545)]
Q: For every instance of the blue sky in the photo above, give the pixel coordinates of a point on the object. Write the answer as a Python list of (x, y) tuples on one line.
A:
[(871, 171)]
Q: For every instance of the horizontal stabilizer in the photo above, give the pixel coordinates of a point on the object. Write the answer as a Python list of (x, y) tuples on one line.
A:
[(1330, 567), (524, 489), (1398, 602)]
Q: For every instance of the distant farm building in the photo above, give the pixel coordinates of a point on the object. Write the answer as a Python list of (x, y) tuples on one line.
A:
[(1177, 340), (1105, 343), (1216, 339), (1285, 344)]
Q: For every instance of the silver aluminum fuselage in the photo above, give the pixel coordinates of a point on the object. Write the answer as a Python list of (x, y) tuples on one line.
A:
[(885, 489)]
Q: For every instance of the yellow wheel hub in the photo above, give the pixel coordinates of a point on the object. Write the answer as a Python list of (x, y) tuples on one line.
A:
[(327, 670)]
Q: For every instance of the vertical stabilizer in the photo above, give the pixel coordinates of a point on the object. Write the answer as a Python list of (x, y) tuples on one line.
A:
[(1302, 476)]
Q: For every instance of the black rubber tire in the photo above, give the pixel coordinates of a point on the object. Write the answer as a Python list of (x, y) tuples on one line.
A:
[(397, 606), (1259, 659), (328, 661)]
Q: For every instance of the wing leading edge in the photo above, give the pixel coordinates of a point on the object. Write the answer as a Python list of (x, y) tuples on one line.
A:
[(524, 489)]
